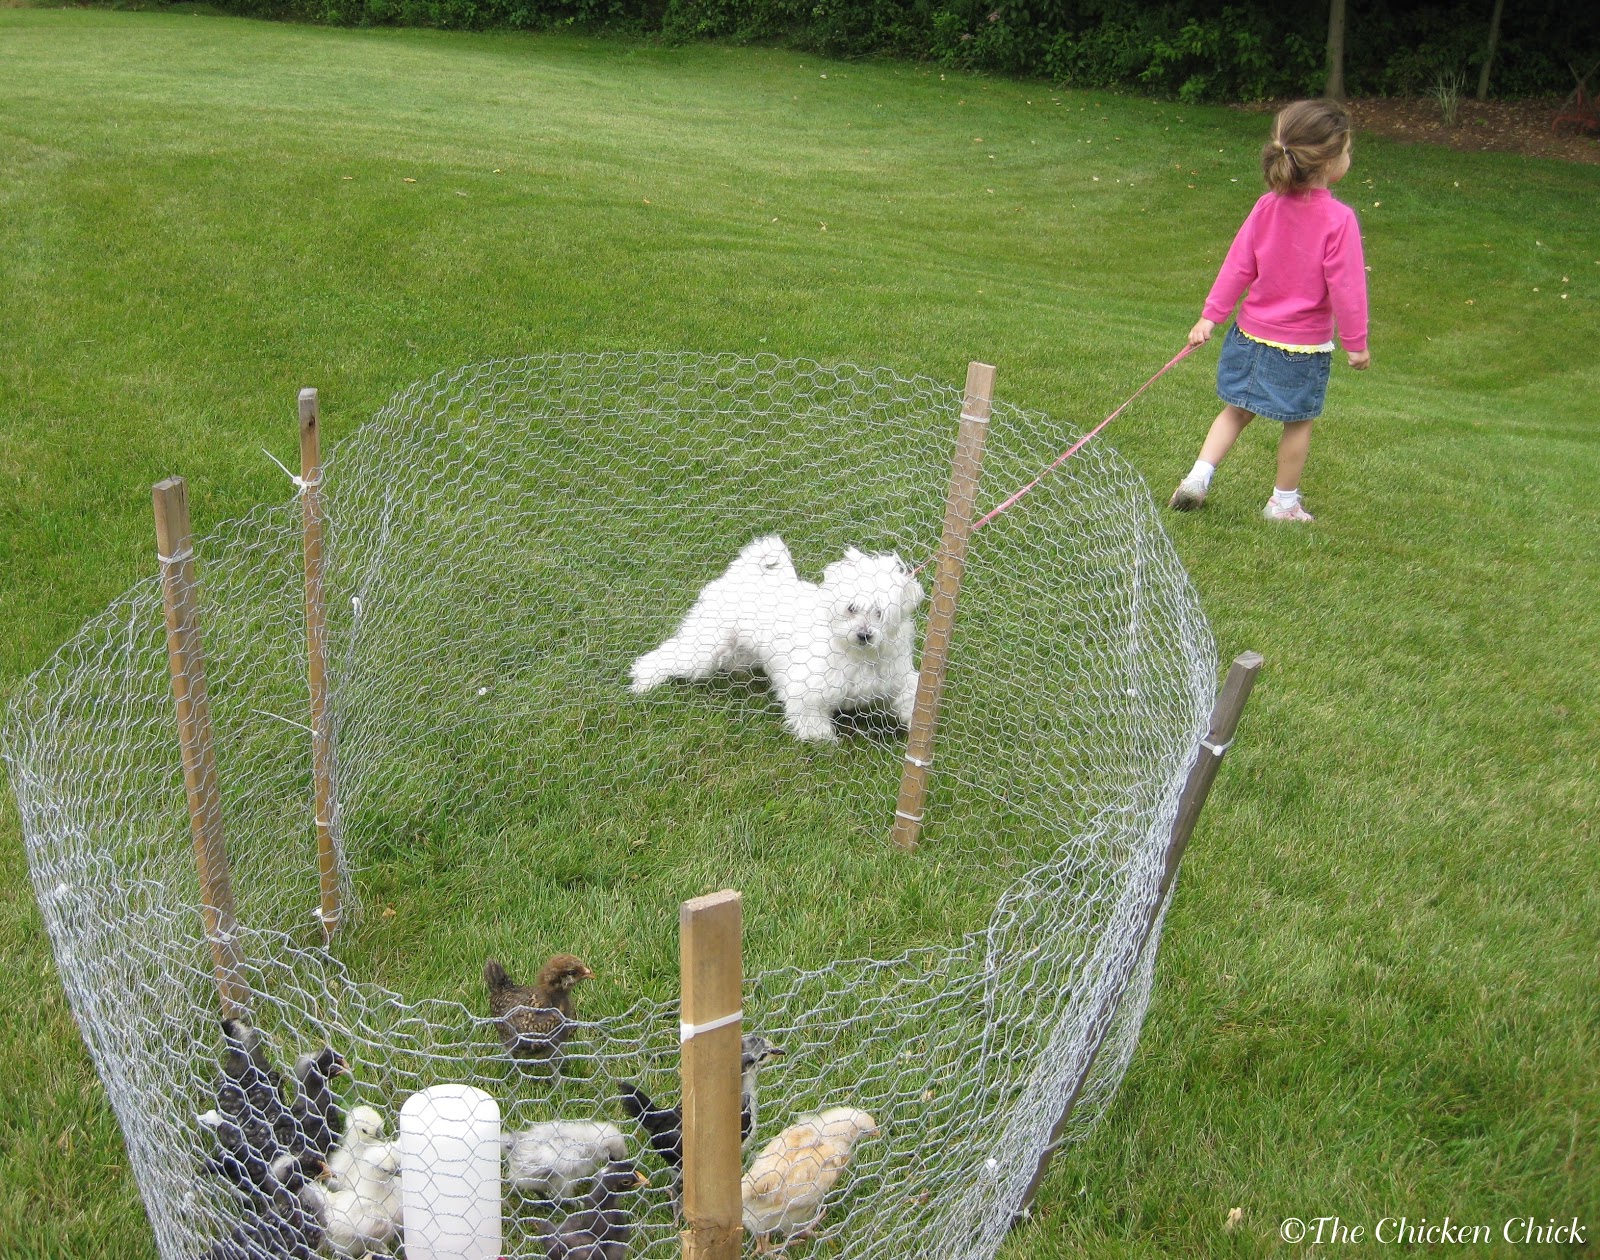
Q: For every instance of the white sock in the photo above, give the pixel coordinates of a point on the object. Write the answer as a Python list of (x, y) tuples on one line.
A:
[(1285, 498), (1202, 471)]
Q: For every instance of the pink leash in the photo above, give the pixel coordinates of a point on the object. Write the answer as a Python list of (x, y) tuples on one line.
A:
[(1079, 444), (1074, 448)]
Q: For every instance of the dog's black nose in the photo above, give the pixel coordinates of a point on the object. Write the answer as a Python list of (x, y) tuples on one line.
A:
[(863, 636)]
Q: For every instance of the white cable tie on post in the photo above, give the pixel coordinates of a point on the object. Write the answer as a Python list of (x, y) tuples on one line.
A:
[(177, 557), (919, 762), (299, 726), (900, 813), (301, 484), (1216, 750), (975, 419), (687, 1032)]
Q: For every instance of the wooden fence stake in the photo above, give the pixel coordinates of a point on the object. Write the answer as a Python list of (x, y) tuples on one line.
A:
[(317, 664), (964, 472), (713, 989), (1225, 715), (187, 661)]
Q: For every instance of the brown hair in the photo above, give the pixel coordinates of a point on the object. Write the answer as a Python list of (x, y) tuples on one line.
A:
[(1307, 137)]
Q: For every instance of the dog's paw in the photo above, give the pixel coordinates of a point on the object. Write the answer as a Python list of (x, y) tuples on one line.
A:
[(814, 728), (905, 704), (645, 676)]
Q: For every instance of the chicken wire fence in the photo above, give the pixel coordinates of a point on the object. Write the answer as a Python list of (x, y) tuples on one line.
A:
[(504, 542)]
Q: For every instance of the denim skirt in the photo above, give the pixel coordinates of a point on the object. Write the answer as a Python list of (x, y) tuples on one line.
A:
[(1285, 385)]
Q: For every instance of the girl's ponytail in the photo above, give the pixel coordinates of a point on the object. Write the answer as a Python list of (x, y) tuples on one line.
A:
[(1307, 137)]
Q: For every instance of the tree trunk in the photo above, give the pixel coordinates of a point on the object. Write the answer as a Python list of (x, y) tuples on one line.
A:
[(1335, 88), (1488, 57)]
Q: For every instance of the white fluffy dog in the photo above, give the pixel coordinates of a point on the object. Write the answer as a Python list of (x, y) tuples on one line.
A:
[(846, 644)]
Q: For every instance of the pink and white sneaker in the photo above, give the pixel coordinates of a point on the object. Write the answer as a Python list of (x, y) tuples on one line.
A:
[(1296, 511)]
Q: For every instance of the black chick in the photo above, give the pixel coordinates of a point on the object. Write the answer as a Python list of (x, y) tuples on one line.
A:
[(534, 1019), (663, 1126), (318, 1122), (602, 1228), (273, 1223), (246, 1067), (238, 1159), (250, 1124)]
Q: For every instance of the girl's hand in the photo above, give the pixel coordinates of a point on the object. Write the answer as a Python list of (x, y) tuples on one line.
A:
[(1201, 333), (1359, 359)]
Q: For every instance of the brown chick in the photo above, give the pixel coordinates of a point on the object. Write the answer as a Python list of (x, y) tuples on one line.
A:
[(534, 1018)]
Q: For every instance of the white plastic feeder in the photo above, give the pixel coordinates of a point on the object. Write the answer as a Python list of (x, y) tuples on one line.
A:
[(450, 1166)]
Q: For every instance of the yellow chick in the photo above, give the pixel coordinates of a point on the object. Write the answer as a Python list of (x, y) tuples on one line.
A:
[(788, 1180)]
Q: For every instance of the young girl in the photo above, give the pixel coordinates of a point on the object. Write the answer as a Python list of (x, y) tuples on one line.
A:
[(1299, 256)]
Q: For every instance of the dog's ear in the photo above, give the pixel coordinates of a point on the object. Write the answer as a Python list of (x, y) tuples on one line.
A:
[(854, 553)]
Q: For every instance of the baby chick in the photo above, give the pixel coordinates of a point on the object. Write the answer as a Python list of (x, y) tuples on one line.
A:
[(363, 1144), (754, 1050), (247, 1165), (534, 1019), (359, 1210), (663, 1126), (602, 1228), (317, 1118), (788, 1180), (549, 1160), (246, 1066), (250, 1122), (274, 1223)]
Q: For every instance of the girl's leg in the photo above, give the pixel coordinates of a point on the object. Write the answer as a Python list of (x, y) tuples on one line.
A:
[(1225, 431), (1293, 446)]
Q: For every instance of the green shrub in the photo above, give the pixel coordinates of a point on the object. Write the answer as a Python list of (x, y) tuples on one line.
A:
[(1191, 50)]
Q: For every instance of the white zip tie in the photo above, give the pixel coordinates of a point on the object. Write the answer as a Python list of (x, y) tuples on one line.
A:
[(919, 762), (1216, 749), (186, 554), (975, 419), (300, 483), (688, 1031), (286, 721), (900, 813)]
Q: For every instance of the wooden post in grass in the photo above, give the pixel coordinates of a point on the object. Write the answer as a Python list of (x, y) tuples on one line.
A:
[(1225, 715), (187, 662), (964, 472), (317, 663), (709, 1037)]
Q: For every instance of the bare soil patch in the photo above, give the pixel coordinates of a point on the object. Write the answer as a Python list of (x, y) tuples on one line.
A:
[(1524, 127)]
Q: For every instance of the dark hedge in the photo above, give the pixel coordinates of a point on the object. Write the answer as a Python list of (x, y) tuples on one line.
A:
[(1189, 49)]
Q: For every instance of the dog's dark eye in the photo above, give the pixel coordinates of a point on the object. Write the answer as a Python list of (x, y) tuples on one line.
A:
[(852, 610)]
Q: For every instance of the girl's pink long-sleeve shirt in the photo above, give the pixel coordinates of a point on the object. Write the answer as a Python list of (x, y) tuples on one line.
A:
[(1299, 255)]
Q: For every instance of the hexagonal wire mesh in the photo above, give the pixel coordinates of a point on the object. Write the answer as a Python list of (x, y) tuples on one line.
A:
[(505, 541)]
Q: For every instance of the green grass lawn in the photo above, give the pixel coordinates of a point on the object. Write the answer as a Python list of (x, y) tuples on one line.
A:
[(1377, 994)]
